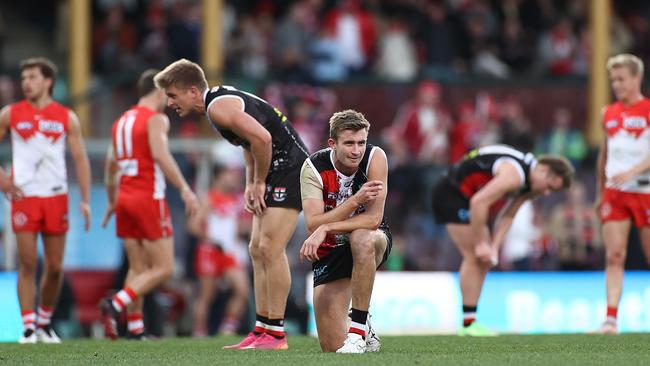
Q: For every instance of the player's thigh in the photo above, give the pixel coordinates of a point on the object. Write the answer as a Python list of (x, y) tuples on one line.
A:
[(160, 252), (277, 225), (381, 242), (375, 238), (53, 250), (464, 238), (644, 235), (331, 305), (615, 235), (135, 253)]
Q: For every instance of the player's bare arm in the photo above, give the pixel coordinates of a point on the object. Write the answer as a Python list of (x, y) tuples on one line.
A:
[(82, 166), (228, 113), (506, 217), (506, 180), (370, 219), (314, 208), (249, 197), (110, 181), (157, 129), (630, 174), (196, 223), (6, 184)]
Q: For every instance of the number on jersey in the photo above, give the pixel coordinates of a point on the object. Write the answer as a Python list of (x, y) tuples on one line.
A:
[(124, 146)]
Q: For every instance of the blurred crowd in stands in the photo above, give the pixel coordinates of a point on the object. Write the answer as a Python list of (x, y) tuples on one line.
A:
[(396, 40)]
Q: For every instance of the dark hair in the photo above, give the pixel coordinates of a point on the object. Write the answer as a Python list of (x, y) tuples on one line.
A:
[(48, 68), (145, 83), (560, 166)]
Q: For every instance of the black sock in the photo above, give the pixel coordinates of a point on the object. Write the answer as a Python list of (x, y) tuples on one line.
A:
[(278, 331), (261, 319), (469, 315), (359, 316)]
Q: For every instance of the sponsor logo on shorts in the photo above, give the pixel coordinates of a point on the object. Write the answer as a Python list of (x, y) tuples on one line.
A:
[(463, 214), (20, 219), (279, 194), (320, 271)]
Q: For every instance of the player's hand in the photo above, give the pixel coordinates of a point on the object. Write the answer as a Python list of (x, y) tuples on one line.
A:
[(85, 213), (254, 196), (10, 190), (624, 177), (110, 210), (368, 191), (190, 201), (487, 253), (309, 249)]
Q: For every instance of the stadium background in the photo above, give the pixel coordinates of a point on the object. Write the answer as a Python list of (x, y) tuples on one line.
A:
[(524, 72)]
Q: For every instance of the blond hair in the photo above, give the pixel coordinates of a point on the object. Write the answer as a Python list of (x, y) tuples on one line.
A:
[(633, 63), (560, 166), (183, 74), (348, 119)]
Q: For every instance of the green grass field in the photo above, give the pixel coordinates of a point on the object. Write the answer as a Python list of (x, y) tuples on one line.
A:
[(547, 350)]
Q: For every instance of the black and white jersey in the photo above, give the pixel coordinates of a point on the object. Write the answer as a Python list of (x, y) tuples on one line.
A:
[(288, 149), (479, 166)]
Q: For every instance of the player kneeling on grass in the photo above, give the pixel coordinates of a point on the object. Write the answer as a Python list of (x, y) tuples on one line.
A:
[(139, 153), (462, 200), (343, 195)]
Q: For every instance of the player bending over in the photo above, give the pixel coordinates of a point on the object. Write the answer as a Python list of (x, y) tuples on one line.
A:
[(462, 200)]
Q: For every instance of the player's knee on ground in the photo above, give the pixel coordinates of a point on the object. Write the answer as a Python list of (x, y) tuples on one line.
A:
[(362, 243), (329, 345), (615, 257)]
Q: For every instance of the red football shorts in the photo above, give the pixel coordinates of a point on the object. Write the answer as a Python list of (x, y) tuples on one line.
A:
[(212, 261), (619, 205), (48, 215), (142, 218)]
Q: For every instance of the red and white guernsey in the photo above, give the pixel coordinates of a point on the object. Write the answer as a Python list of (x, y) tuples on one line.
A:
[(223, 218), (139, 174), (38, 139), (628, 142)]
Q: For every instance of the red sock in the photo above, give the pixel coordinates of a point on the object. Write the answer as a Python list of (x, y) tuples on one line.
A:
[(44, 316), (123, 298), (29, 319), (612, 313), (135, 323)]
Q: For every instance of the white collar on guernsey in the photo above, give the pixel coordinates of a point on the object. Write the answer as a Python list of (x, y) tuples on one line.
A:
[(205, 94)]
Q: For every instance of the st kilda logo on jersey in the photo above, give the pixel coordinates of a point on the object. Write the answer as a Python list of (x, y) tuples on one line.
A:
[(279, 194)]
